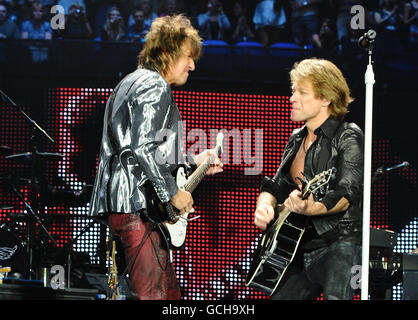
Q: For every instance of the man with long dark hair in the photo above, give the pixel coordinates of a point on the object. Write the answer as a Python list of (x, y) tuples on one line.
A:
[(140, 145)]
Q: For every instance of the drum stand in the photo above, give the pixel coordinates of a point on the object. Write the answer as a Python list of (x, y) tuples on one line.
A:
[(74, 240), (34, 156), (30, 224)]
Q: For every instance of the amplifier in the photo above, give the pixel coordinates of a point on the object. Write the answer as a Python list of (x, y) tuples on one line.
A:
[(382, 238), (410, 276)]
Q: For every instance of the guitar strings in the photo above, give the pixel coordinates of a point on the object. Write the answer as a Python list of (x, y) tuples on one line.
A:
[(189, 219)]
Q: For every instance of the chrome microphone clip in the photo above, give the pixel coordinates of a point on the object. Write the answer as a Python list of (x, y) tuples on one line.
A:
[(367, 39)]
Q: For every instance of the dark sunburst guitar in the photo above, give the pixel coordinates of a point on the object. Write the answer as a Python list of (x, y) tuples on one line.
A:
[(279, 242)]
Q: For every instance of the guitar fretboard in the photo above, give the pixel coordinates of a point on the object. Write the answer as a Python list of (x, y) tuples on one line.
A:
[(199, 173)]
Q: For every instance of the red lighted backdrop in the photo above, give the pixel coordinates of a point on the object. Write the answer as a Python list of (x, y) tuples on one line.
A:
[(216, 255)]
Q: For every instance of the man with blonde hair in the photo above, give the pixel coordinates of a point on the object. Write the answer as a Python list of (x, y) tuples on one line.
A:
[(142, 136), (330, 246)]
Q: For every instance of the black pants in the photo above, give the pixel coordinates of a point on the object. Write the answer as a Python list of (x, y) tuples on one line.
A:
[(326, 270)]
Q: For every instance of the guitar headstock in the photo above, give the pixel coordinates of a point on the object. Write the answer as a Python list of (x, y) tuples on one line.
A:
[(319, 181)]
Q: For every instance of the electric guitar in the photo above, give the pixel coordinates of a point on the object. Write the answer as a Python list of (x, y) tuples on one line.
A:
[(171, 224), (280, 241)]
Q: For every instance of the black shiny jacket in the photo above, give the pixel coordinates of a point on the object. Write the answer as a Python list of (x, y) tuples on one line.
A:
[(338, 145), (142, 139)]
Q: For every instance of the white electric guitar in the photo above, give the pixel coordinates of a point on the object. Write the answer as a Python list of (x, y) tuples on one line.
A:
[(173, 225)]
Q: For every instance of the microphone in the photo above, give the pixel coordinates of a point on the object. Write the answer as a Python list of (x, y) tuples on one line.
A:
[(398, 166), (367, 39)]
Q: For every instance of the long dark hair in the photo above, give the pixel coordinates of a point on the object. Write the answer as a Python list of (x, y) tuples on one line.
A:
[(164, 40)]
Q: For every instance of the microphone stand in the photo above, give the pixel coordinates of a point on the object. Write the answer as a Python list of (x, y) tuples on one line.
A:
[(33, 122), (369, 82)]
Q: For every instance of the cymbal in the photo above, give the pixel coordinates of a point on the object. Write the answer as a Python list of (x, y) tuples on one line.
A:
[(47, 156), (6, 207), (5, 150)]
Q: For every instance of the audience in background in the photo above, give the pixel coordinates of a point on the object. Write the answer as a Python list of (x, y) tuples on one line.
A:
[(241, 29), (36, 27), (343, 15), (98, 10), (170, 7), (13, 9), (305, 15), (349, 44), (388, 23), (48, 3), (213, 24), (66, 4), (76, 24), (114, 28), (137, 31), (264, 21), (326, 39), (25, 10), (387, 17), (149, 13), (410, 18), (8, 29), (269, 21)]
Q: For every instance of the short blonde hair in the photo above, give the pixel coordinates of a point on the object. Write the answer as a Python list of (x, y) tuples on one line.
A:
[(328, 83), (164, 40)]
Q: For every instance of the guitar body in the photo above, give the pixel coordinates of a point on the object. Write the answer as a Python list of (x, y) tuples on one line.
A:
[(174, 232), (173, 225), (280, 241), (166, 217), (177, 230), (275, 252)]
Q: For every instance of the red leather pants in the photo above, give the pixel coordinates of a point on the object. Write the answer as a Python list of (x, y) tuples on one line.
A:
[(151, 274)]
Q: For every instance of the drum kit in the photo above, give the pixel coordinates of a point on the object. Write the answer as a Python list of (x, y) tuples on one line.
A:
[(26, 244)]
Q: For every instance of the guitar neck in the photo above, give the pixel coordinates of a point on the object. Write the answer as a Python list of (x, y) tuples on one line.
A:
[(283, 213), (197, 176)]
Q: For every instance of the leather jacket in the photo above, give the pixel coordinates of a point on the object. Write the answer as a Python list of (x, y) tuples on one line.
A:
[(142, 139), (338, 145)]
